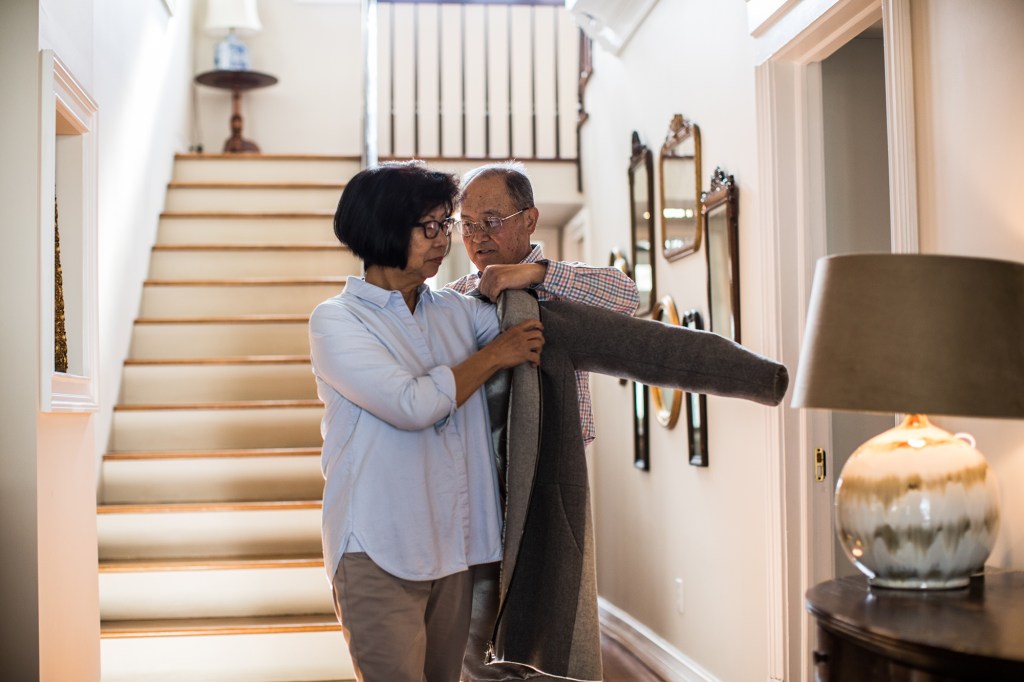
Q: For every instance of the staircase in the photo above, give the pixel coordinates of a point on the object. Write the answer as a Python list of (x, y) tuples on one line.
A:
[(209, 513)]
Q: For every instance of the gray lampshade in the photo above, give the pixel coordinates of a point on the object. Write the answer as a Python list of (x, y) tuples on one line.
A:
[(914, 334)]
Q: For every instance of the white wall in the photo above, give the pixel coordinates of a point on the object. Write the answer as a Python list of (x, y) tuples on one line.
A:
[(968, 58), (315, 51), (142, 74), (19, 338), (129, 57), (703, 525)]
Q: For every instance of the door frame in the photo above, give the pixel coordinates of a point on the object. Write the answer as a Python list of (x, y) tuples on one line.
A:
[(791, 38)]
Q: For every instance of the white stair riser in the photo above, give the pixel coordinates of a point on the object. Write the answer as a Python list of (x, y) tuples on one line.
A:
[(214, 593), (186, 300), (270, 263), (264, 170), (142, 430), (252, 199), (245, 230), (229, 339), (226, 479), (149, 384), (163, 535), (284, 657)]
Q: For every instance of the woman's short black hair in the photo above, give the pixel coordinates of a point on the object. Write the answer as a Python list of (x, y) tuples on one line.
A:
[(380, 205)]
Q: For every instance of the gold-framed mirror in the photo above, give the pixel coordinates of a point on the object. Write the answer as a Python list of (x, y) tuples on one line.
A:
[(679, 186), (641, 202), (667, 402), (620, 261), (720, 206)]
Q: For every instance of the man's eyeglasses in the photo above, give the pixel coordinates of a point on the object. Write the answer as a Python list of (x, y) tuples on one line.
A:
[(488, 225), (432, 228)]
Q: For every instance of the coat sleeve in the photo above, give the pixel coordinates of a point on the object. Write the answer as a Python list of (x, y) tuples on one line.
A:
[(659, 354)]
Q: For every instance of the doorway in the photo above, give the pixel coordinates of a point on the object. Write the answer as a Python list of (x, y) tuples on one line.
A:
[(856, 184), (806, 221)]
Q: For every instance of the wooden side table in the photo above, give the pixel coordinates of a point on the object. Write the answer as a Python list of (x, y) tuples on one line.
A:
[(877, 634), (236, 82)]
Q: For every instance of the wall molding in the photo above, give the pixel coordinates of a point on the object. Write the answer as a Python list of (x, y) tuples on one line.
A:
[(652, 650), (68, 151), (899, 95)]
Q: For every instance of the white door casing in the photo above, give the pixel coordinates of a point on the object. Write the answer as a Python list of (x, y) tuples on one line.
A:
[(791, 38)]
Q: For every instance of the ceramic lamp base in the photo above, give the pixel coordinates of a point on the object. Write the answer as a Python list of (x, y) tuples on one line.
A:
[(917, 508)]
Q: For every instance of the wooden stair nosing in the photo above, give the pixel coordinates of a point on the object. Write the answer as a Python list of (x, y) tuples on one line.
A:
[(255, 247), (239, 360), (220, 405), (211, 454), (185, 627), (246, 281), (202, 507), (227, 319), (253, 184), (249, 215), (211, 563), (261, 156)]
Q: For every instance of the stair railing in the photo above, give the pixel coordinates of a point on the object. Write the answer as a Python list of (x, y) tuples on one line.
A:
[(473, 79)]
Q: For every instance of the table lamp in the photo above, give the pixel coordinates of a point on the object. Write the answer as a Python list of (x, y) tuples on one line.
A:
[(236, 17), (916, 507)]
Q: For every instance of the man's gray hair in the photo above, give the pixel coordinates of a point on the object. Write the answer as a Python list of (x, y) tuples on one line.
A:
[(520, 190)]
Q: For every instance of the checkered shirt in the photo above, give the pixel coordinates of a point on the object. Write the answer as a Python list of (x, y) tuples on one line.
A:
[(604, 287)]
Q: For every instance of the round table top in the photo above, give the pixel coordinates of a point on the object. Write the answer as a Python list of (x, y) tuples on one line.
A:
[(976, 628), (236, 80)]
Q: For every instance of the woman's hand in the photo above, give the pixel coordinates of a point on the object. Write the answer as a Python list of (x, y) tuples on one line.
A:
[(519, 344), (516, 345)]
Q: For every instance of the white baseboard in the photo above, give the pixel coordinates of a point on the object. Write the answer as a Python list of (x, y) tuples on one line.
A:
[(652, 650)]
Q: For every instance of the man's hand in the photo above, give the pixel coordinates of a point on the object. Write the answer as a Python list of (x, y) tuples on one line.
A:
[(496, 278)]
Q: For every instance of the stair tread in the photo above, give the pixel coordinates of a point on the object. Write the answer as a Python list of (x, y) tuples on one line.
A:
[(249, 215), (248, 625), (192, 507), (261, 156), (254, 184), (248, 281), (212, 563), (225, 319), (220, 405), (202, 454), (254, 246), (228, 360)]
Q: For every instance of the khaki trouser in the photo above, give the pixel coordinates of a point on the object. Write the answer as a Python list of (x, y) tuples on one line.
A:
[(402, 630)]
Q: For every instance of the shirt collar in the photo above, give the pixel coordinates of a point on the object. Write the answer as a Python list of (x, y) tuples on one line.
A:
[(360, 288)]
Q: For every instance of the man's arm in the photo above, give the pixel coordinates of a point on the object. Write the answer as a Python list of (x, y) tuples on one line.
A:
[(604, 287)]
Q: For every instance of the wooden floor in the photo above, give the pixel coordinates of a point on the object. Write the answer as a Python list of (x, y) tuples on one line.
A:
[(622, 666)]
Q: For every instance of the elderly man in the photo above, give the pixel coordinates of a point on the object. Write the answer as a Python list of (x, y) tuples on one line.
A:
[(498, 218)]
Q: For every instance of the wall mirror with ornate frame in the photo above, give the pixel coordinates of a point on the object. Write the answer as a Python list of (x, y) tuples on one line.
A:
[(696, 408), (720, 208), (679, 185), (620, 261), (641, 428), (667, 401), (641, 202)]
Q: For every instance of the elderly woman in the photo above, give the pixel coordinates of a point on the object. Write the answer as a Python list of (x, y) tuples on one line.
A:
[(411, 498)]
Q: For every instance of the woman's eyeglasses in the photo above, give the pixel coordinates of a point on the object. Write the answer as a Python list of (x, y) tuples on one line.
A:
[(488, 225), (432, 228)]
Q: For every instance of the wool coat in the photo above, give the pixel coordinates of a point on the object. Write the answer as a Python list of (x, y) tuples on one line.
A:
[(538, 617)]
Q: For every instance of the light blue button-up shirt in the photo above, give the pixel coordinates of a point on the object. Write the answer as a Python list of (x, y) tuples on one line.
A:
[(409, 478)]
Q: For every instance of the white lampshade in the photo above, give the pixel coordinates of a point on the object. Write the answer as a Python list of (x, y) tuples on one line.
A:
[(224, 15)]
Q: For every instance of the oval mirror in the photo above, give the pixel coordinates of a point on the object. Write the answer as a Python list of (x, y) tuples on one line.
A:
[(679, 166), (667, 402)]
